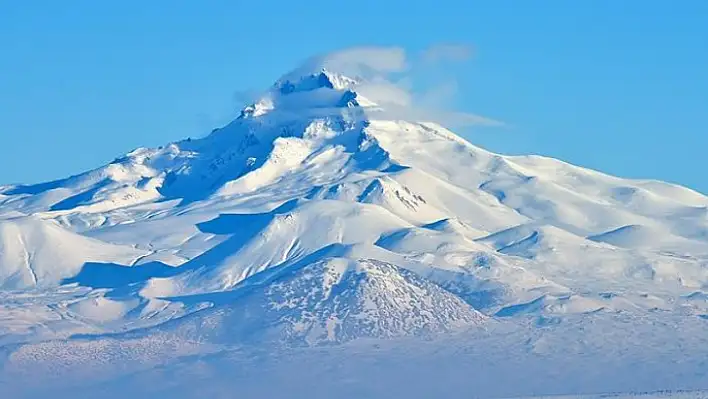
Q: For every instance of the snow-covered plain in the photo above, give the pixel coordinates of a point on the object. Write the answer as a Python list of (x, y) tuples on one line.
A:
[(316, 247)]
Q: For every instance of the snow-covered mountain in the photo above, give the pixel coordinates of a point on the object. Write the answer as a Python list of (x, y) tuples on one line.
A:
[(317, 217)]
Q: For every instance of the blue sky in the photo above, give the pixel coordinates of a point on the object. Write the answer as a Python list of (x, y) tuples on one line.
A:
[(619, 86)]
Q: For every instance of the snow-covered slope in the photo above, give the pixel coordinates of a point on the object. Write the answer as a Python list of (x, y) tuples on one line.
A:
[(314, 216), (37, 253)]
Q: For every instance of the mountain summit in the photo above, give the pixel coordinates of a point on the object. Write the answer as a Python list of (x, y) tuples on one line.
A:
[(311, 219), (324, 90)]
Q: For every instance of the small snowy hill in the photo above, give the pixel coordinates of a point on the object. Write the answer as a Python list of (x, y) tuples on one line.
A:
[(332, 300), (314, 174)]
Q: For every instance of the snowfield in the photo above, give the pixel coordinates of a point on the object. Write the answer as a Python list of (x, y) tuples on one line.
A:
[(314, 247)]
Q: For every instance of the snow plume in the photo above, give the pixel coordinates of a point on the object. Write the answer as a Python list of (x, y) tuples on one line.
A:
[(404, 86), (391, 77)]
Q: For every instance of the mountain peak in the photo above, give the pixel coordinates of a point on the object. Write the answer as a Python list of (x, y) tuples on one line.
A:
[(307, 89), (303, 79)]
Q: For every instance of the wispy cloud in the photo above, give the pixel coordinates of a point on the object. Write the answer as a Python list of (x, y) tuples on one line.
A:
[(385, 92), (420, 87), (439, 95), (447, 52), (375, 59)]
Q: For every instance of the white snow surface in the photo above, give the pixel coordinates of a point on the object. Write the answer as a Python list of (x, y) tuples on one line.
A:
[(385, 255)]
